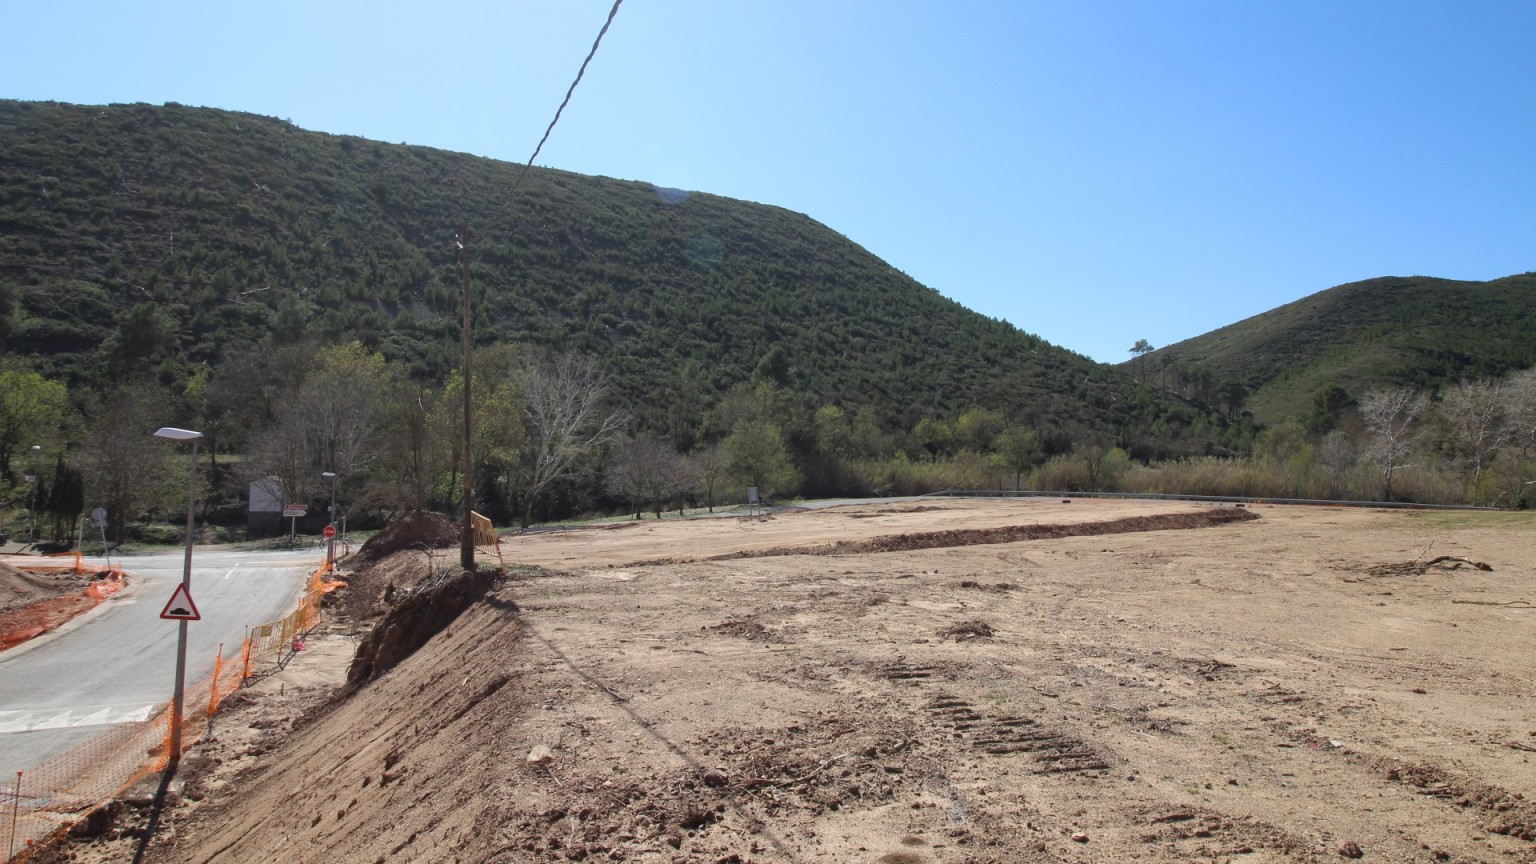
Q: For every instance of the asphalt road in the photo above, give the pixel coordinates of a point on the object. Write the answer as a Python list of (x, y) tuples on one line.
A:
[(117, 663)]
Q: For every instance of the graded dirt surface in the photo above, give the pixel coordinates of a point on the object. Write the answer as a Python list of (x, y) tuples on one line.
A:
[(1247, 692)]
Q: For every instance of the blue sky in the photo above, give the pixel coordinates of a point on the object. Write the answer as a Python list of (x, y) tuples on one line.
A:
[(1093, 172)]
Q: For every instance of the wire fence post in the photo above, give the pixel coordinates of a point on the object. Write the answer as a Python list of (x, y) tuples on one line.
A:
[(213, 695), (15, 814), (245, 658)]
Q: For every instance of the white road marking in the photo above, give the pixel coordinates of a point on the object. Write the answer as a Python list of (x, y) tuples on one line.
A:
[(70, 718)]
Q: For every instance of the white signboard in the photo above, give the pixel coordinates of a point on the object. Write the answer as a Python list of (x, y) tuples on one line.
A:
[(266, 496)]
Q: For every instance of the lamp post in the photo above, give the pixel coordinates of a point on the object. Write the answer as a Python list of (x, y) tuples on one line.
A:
[(32, 498), (171, 433), (330, 543)]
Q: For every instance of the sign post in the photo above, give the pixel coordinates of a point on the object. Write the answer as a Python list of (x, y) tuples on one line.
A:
[(99, 516), (172, 433), (330, 546), (180, 607), (294, 512)]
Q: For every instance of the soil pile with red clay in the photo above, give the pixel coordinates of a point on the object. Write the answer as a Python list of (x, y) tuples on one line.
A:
[(373, 588), (417, 529), (393, 561)]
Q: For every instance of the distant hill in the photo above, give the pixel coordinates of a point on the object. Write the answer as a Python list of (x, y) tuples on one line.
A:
[(239, 228), (1416, 331)]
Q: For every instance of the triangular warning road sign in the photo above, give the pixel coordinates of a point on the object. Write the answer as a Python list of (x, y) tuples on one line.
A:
[(181, 607)]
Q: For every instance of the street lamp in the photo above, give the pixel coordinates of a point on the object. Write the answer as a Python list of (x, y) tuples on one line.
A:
[(171, 433), (32, 498), (330, 543)]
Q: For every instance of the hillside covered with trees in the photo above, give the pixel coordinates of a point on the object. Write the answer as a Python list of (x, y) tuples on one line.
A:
[(136, 236), (166, 264), (1417, 332)]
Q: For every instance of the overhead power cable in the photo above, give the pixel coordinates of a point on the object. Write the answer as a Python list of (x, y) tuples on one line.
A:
[(567, 100)]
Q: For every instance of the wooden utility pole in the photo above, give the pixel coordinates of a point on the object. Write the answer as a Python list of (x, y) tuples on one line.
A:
[(467, 530)]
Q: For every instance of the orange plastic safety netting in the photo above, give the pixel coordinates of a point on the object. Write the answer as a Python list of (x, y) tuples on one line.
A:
[(47, 799)]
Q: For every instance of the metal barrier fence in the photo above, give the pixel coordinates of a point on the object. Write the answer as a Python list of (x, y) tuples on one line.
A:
[(272, 639), (46, 800)]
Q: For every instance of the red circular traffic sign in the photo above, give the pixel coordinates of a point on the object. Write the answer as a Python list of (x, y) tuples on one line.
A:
[(330, 531)]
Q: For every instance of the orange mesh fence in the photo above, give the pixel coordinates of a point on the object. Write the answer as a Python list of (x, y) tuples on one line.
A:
[(106, 586), (55, 794), (228, 676), (50, 797)]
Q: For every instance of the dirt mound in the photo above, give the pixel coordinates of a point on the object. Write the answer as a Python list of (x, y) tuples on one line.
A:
[(983, 536), (417, 529), (19, 588), (749, 630), (1016, 533), (973, 629), (1000, 587), (32, 604), (372, 587), (416, 619)]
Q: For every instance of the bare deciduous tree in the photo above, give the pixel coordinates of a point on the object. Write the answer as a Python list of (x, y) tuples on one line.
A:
[(342, 402), (566, 415), (645, 471), (1391, 416), (1336, 456), (711, 464), (1474, 419), (332, 421), (1520, 398)]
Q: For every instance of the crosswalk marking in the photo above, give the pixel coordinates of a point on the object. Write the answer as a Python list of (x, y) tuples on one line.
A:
[(69, 718)]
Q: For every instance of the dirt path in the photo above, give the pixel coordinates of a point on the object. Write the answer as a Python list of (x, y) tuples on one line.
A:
[(1248, 692)]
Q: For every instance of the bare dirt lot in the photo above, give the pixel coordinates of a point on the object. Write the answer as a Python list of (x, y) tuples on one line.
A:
[(1254, 691)]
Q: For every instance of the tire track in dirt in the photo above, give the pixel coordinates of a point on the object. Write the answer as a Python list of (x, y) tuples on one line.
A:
[(1066, 761), (1053, 751), (1497, 810)]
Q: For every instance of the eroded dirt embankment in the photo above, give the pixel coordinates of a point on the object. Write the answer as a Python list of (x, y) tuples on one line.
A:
[(415, 620)]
